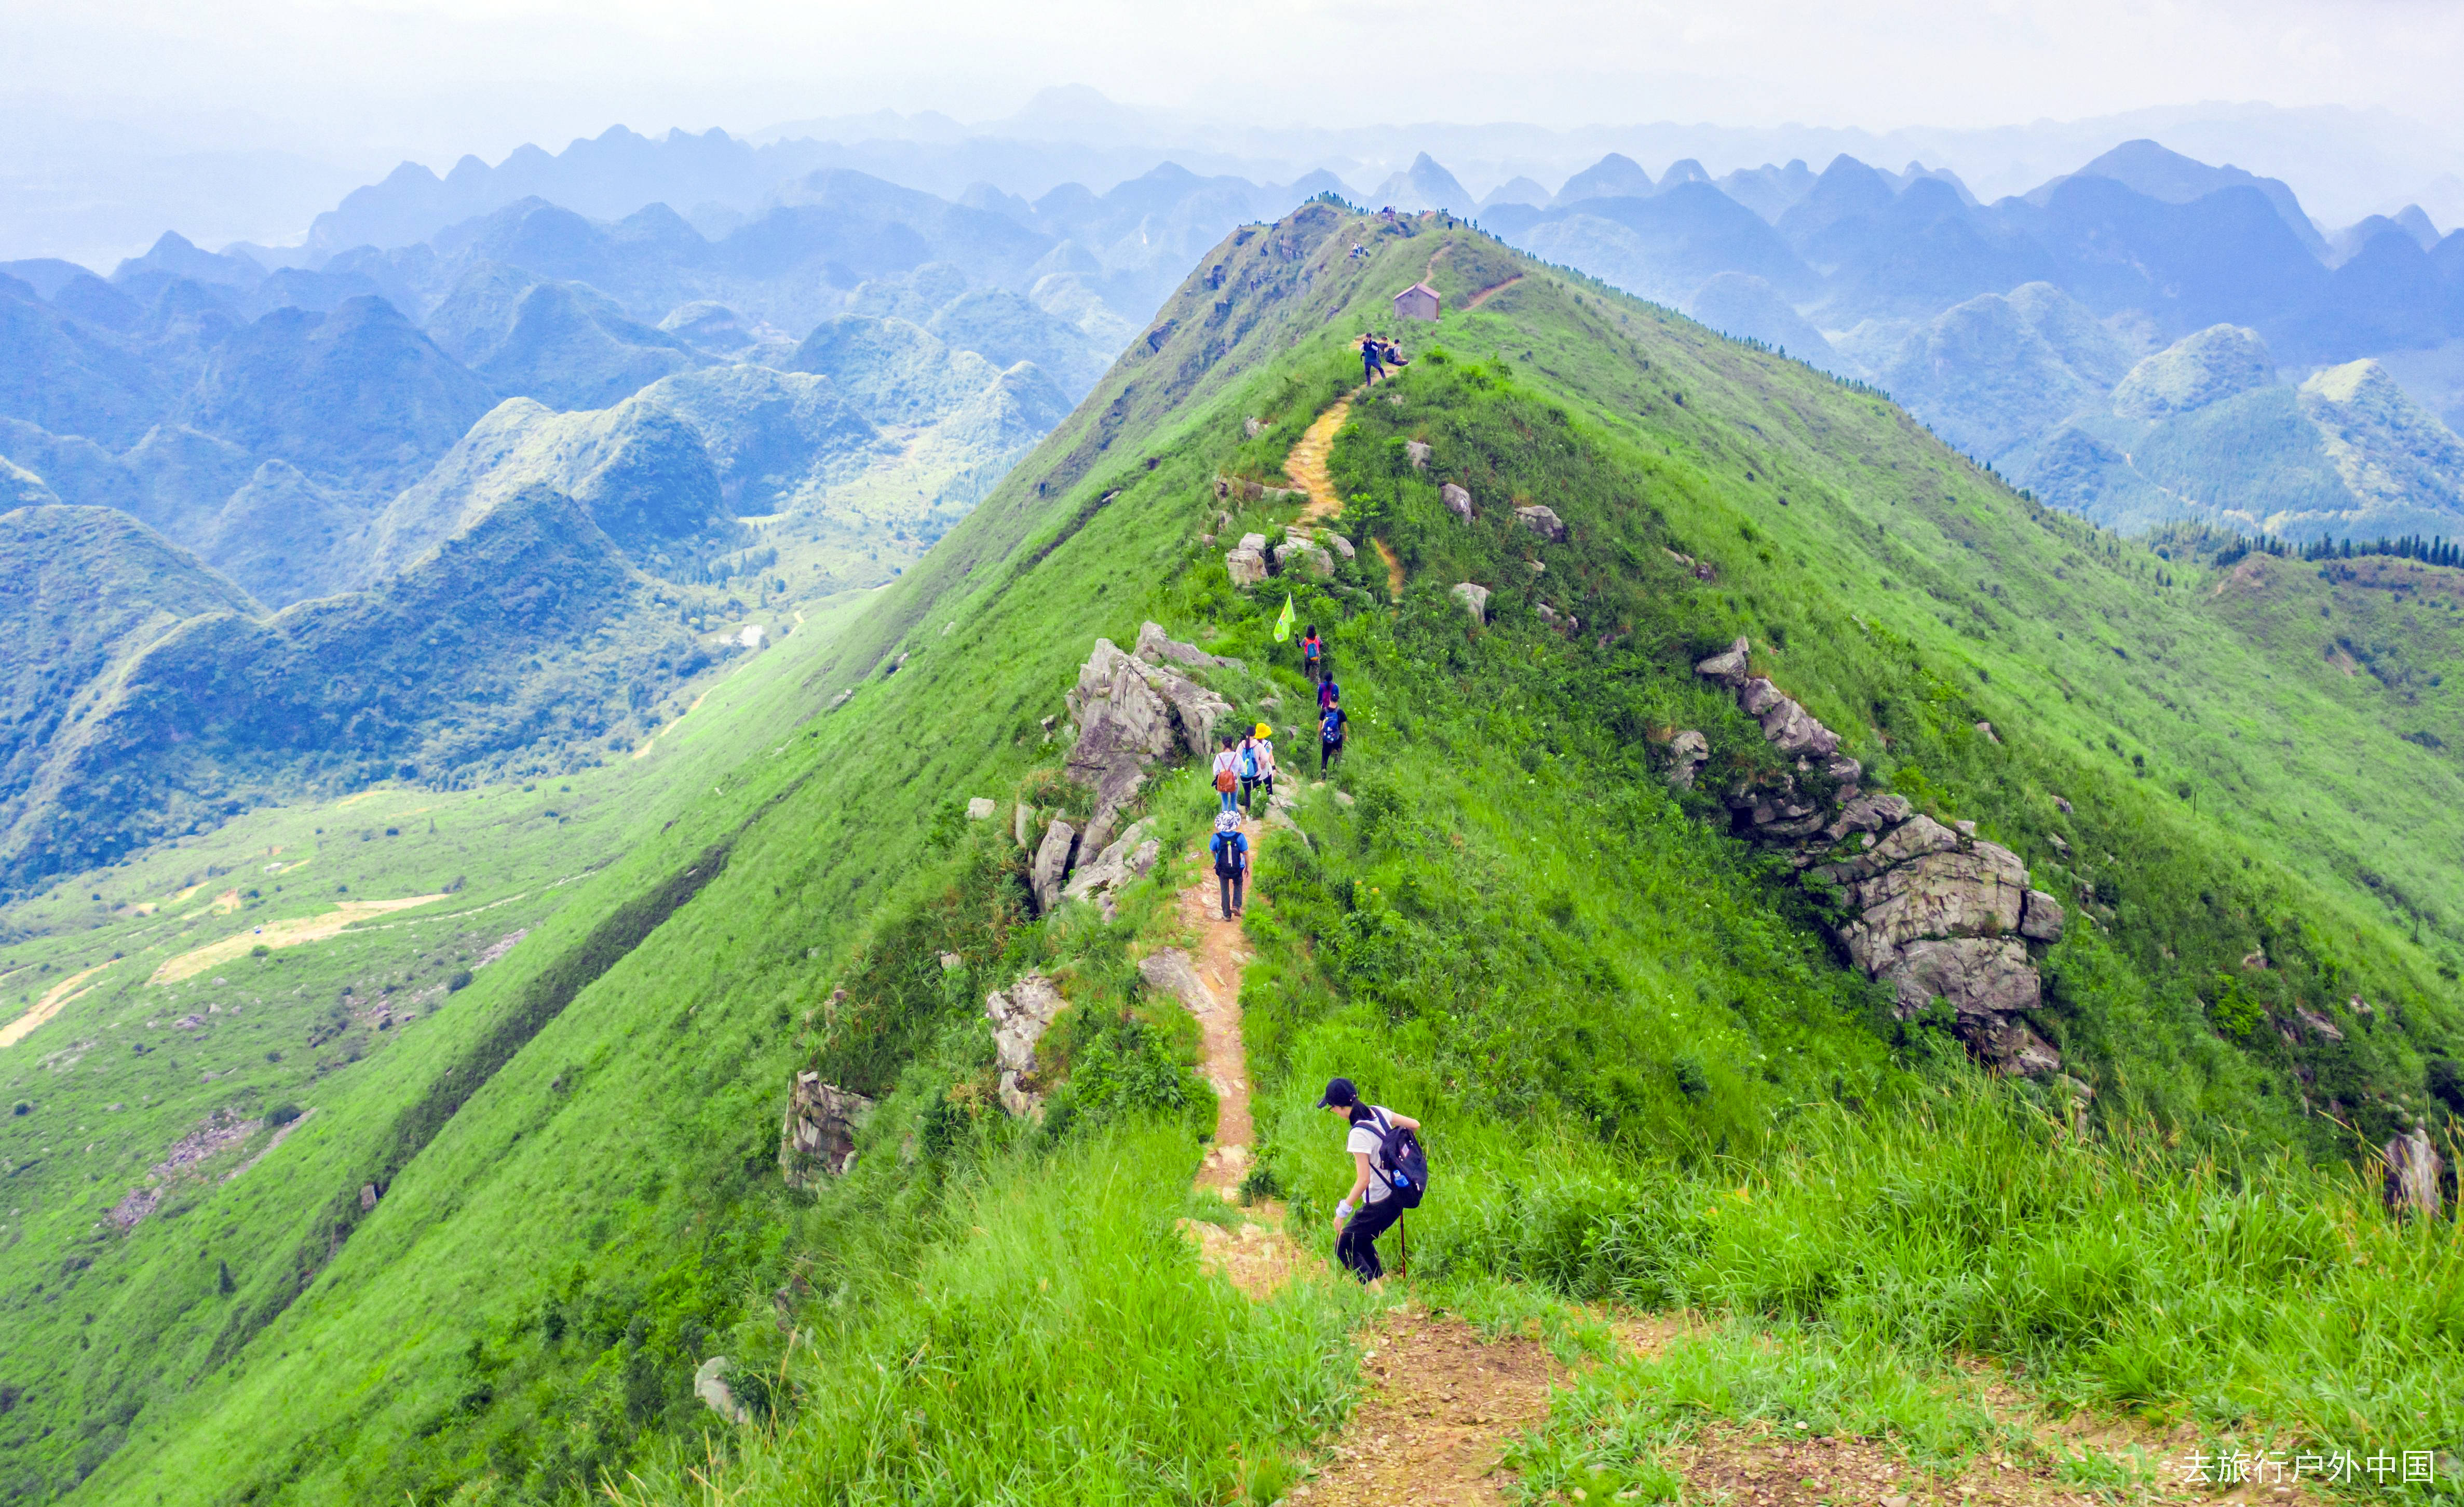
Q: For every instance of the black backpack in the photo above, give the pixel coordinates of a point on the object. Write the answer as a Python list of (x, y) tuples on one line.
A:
[(1402, 1161), (1227, 853)]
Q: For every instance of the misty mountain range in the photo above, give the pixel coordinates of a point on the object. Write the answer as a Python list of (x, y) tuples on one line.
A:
[(800, 379)]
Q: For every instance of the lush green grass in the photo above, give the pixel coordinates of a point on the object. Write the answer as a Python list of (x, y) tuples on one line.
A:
[(1061, 1345), (104, 1326), (1607, 1009)]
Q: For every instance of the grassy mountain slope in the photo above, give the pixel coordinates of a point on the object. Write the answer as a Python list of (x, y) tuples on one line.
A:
[(1602, 1000), (411, 679), (351, 1033)]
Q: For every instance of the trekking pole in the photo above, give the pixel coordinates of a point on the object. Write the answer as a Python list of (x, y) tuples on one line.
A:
[(1402, 1249)]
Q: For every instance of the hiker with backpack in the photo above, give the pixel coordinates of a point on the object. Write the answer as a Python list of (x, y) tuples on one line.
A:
[(1370, 369), (1392, 1174), (1229, 848), (1227, 777), (1328, 692), (1331, 723), (1257, 765), (1312, 655)]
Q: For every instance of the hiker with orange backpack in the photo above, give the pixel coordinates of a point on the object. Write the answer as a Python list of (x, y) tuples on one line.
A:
[(1227, 779)]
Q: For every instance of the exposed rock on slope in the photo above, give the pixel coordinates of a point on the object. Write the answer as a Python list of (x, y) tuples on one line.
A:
[(1131, 711), (818, 1137), (1020, 1014), (1935, 913)]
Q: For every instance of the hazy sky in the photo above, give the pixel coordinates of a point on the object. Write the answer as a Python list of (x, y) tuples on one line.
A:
[(433, 78)]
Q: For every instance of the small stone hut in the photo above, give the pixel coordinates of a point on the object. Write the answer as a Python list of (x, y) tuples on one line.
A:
[(1419, 301)]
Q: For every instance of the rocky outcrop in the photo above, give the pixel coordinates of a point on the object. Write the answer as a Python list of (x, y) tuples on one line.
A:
[(2412, 1169), (1131, 711), (1475, 600), (1170, 970), (1300, 556), (1245, 563), (1051, 864), (1020, 1014), (1688, 751), (1418, 453), (710, 1385), (1934, 912), (818, 1137), (1156, 647), (1458, 501), (1543, 522), (1128, 857)]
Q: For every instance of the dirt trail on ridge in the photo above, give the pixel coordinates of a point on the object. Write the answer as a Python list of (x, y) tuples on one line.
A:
[(1307, 465)]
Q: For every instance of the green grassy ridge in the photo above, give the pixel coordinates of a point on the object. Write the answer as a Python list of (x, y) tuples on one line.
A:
[(1611, 1009), (845, 845), (681, 1051), (521, 856)]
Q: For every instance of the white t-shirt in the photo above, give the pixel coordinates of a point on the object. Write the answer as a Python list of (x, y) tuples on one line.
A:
[(1266, 756), (1370, 1136), (1228, 761)]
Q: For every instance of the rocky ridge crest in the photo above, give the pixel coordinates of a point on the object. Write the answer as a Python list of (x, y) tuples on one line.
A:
[(1935, 912)]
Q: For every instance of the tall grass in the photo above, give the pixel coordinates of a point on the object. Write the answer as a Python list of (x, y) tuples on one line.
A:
[(2261, 1291), (1063, 1346)]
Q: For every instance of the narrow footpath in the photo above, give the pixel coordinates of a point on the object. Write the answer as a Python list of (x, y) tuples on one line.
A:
[(1306, 466), (1438, 1403)]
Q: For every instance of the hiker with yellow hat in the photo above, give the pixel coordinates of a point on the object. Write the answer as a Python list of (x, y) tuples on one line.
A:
[(1256, 761)]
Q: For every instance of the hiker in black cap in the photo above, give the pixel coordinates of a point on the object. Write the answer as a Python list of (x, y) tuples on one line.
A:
[(1391, 1174)]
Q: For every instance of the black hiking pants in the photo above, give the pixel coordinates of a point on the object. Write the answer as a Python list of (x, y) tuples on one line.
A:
[(1232, 884), (1328, 753), (1356, 1248)]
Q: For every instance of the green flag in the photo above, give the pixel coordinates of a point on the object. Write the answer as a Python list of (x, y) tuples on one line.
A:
[(1283, 623)]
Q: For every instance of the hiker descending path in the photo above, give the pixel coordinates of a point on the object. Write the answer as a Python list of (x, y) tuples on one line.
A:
[(1307, 465), (1439, 1403)]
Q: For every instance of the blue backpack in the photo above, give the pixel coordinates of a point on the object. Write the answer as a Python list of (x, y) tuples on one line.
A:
[(1248, 761), (1402, 1161)]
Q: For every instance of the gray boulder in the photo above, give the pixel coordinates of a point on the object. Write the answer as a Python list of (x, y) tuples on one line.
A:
[(1342, 546), (2412, 1169), (1687, 753), (1246, 566), (1475, 600), (1169, 970), (1156, 647), (1728, 666), (1543, 522), (1458, 501), (1020, 1014), (1128, 857), (2006, 1043), (1051, 865), (818, 1137), (1129, 713), (1306, 559), (1418, 452), (710, 1385), (1977, 976), (2041, 919), (1973, 893), (980, 809)]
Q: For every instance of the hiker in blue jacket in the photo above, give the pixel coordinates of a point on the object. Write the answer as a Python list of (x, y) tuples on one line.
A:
[(1229, 848), (1372, 1205)]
